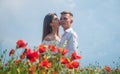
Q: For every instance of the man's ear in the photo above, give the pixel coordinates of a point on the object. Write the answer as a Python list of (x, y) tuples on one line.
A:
[(71, 21)]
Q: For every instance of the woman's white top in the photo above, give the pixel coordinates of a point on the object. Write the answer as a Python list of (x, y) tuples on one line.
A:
[(52, 42)]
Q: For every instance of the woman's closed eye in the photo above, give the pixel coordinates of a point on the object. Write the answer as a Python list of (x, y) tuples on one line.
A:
[(55, 19)]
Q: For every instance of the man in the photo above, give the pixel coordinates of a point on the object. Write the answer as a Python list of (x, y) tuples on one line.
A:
[(69, 38)]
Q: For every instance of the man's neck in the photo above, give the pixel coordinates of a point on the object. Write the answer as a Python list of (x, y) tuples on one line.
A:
[(67, 29)]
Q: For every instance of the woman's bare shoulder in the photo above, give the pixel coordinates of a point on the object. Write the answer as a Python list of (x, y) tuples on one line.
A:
[(47, 38)]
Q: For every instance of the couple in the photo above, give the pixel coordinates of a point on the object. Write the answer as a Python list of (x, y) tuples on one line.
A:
[(51, 31)]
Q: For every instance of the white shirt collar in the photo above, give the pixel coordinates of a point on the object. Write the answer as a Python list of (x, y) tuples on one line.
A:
[(68, 30)]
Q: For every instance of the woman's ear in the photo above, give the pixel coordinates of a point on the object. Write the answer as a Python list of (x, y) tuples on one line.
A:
[(50, 24)]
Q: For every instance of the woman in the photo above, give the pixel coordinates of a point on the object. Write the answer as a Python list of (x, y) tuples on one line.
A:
[(51, 30)]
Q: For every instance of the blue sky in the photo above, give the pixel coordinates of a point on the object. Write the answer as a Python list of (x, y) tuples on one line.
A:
[(97, 23)]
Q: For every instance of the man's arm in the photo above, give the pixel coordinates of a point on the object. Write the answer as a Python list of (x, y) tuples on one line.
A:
[(72, 45)]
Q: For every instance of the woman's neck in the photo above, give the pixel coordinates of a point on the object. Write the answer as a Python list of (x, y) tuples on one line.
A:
[(55, 35), (54, 32)]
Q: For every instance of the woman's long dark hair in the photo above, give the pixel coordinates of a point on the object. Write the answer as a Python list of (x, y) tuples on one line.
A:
[(47, 29)]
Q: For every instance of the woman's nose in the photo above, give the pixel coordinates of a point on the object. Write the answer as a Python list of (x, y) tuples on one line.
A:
[(59, 22)]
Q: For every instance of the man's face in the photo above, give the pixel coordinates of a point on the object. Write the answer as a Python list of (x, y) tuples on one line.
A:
[(66, 21)]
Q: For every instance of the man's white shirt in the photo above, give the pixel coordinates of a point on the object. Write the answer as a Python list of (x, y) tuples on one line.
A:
[(69, 41)]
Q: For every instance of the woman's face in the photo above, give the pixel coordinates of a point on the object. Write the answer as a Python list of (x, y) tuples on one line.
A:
[(55, 22)]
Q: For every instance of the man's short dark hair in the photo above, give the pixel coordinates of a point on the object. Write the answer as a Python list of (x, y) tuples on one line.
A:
[(67, 12)]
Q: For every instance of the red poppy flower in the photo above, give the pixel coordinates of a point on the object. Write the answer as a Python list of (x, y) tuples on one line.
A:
[(63, 51), (17, 62), (75, 64), (21, 44), (75, 56), (116, 70), (33, 57), (33, 68), (63, 60), (42, 49), (81, 70), (72, 65), (108, 69), (52, 48), (12, 51), (69, 66), (45, 64), (22, 56), (27, 51), (60, 50)]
